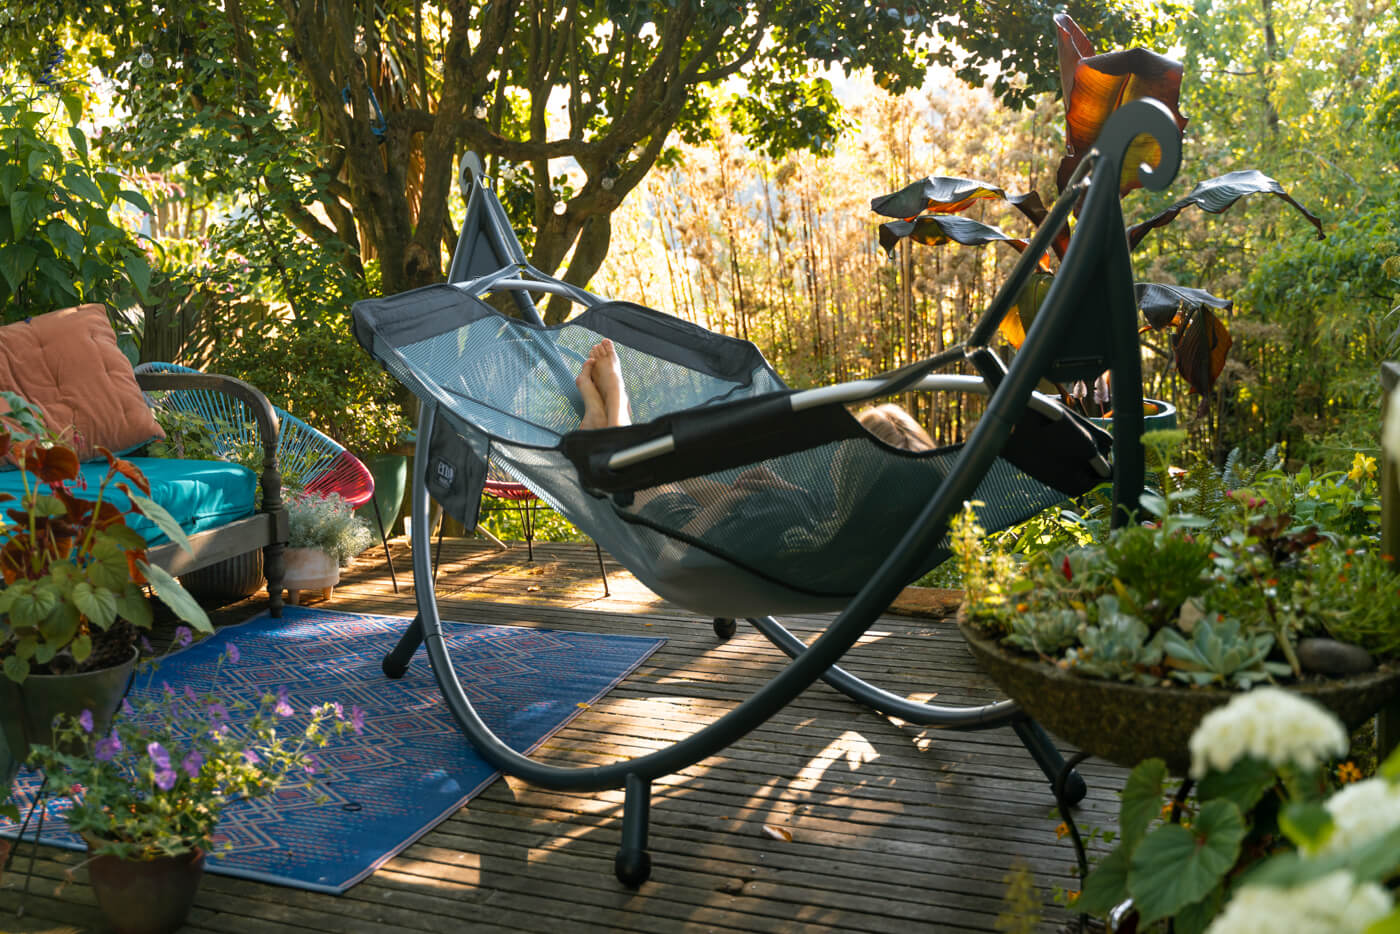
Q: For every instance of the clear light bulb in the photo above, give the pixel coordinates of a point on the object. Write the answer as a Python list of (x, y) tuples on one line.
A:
[(608, 182), (145, 59), (480, 112), (560, 207), (361, 46)]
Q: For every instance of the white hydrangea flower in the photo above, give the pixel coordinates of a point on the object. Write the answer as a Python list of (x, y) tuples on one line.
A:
[(1362, 812), (1334, 904), (1270, 724)]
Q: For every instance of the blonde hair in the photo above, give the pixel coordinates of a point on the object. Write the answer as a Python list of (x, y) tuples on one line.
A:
[(894, 426)]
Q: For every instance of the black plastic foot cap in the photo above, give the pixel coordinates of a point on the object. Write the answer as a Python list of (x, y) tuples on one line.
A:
[(725, 627), (392, 668), (633, 867)]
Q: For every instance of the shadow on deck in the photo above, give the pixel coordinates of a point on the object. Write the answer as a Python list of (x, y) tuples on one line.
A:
[(828, 817)]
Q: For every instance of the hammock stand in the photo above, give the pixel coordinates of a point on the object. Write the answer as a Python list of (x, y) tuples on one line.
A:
[(1086, 325)]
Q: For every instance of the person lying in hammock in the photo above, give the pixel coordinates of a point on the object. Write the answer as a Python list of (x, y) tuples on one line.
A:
[(757, 498)]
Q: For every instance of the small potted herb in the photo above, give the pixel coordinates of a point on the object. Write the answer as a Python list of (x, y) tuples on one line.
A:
[(323, 535)]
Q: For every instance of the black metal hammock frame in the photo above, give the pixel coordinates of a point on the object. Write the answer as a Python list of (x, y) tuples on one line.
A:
[(738, 497)]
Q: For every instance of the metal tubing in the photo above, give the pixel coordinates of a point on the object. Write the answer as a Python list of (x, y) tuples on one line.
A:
[(396, 662), (984, 717)]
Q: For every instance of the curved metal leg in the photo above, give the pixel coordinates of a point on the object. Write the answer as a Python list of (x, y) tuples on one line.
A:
[(986, 716), (632, 865)]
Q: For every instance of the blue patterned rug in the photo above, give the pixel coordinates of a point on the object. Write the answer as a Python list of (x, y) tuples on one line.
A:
[(411, 767)]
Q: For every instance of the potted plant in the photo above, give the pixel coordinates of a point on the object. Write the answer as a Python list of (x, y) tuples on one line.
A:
[(1122, 645), (1094, 86), (323, 535), (74, 575), (148, 795), (1260, 837)]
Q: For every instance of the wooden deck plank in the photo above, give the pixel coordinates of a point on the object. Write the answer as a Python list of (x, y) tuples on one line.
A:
[(894, 827)]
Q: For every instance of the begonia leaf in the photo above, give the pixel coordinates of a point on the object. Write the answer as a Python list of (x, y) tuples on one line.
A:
[(1217, 195), (1175, 866), (1243, 783), (1106, 885), (173, 595), (1142, 800)]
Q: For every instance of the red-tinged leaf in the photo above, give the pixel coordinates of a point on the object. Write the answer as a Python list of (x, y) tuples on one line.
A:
[(6, 497), (53, 465), (108, 515), (78, 509), (1166, 305), (126, 469), (134, 559), (1074, 47), (1103, 83), (1217, 195), (4, 443), (1201, 345), (938, 229), (943, 194)]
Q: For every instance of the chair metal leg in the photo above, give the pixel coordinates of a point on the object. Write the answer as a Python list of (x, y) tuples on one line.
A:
[(384, 538), (602, 571), (437, 551), (527, 524), (1067, 783), (632, 865), (396, 662)]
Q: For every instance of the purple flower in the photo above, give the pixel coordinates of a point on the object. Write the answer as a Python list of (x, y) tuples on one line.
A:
[(183, 635), (217, 712), (357, 719), (283, 708), (193, 763), (232, 653), (311, 765), (146, 647), (251, 757), (338, 710), (190, 695), (165, 776), (85, 720), (158, 755), (127, 708), (107, 748)]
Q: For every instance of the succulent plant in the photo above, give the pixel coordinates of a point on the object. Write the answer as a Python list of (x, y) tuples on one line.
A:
[(1221, 652), (1118, 646)]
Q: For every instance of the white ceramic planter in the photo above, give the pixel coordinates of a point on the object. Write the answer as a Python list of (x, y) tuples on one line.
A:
[(309, 569)]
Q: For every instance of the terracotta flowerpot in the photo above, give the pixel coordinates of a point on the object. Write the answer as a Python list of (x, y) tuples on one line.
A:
[(1126, 723), (145, 896), (27, 710), (309, 569)]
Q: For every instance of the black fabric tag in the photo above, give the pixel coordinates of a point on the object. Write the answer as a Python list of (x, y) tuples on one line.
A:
[(456, 474)]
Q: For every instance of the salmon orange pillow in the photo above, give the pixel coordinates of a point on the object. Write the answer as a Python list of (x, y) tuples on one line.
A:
[(68, 365)]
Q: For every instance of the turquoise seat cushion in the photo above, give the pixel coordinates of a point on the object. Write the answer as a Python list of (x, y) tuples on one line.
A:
[(199, 494)]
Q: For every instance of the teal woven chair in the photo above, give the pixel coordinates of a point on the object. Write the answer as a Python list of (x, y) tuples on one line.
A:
[(306, 456)]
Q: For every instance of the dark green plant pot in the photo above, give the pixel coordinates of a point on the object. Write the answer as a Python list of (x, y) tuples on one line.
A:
[(27, 710), (1156, 416), (390, 472), (146, 896), (230, 579), (1126, 723)]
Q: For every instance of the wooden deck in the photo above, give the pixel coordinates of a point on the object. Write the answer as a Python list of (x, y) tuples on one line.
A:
[(827, 818)]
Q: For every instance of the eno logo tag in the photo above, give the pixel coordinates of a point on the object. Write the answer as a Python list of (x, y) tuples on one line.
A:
[(445, 472)]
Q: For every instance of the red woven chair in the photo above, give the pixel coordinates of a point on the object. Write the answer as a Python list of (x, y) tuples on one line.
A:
[(512, 493)]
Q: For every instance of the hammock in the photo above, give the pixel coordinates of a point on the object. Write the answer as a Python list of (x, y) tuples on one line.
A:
[(735, 496)]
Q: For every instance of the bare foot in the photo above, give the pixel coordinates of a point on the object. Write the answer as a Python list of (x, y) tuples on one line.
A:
[(607, 377), (594, 411)]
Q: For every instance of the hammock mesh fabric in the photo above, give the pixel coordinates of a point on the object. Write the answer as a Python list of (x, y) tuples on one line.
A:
[(799, 532)]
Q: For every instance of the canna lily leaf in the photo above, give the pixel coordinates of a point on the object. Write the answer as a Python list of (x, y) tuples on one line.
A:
[(938, 229), (943, 194), (1216, 195), (1097, 85), (1201, 344), (1162, 305), (1018, 320)]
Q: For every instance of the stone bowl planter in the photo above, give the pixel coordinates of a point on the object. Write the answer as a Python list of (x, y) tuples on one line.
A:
[(1126, 723)]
